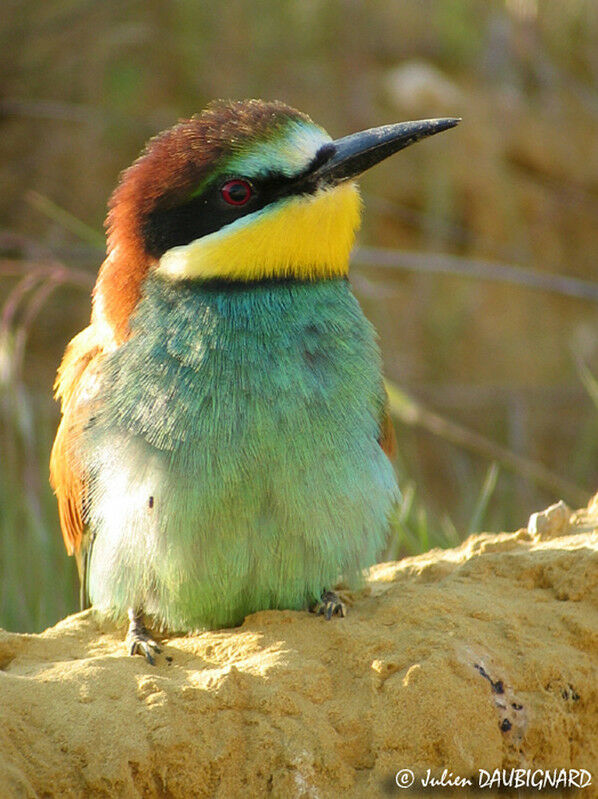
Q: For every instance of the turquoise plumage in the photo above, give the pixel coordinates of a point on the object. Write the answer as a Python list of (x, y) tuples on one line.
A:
[(234, 456)]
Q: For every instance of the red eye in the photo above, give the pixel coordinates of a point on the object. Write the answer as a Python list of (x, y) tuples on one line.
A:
[(236, 192)]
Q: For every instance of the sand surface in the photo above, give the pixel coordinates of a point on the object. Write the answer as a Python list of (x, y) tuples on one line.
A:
[(484, 656)]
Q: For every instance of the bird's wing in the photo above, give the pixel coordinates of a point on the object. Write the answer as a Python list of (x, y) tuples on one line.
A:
[(76, 385), (386, 437)]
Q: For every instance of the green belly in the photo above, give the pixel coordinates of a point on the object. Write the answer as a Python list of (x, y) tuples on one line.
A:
[(234, 459)]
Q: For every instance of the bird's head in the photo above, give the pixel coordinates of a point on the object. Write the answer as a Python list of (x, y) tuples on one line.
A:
[(243, 191)]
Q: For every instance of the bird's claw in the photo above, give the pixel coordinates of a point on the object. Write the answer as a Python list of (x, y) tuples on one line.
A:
[(139, 641), (329, 605)]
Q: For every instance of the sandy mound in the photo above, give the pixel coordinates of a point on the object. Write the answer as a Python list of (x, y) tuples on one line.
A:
[(485, 656)]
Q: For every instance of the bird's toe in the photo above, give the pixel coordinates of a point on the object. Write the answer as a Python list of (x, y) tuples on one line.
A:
[(329, 605), (139, 640)]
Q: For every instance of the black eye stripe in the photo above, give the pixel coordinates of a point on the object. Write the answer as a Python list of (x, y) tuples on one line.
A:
[(164, 228)]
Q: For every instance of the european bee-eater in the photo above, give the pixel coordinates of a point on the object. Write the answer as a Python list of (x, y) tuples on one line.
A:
[(225, 437)]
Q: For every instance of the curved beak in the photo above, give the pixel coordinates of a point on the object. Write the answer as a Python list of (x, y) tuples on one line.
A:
[(348, 157)]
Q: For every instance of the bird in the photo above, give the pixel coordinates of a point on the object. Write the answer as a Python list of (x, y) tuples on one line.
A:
[(225, 444)]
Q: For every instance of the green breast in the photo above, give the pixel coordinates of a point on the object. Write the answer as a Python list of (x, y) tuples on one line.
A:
[(234, 456)]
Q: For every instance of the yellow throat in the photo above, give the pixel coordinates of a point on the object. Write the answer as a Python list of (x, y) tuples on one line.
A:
[(308, 237)]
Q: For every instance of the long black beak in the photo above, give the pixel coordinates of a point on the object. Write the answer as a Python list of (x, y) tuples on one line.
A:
[(348, 157)]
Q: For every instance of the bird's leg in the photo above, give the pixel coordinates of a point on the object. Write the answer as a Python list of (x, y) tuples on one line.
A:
[(329, 605), (139, 640)]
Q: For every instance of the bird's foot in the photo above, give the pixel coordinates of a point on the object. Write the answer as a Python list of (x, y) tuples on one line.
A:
[(139, 640), (329, 605)]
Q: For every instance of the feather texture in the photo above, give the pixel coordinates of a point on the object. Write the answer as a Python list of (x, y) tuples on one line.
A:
[(76, 386), (232, 460)]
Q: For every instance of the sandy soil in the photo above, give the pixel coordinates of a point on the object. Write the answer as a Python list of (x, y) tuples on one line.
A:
[(485, 656)]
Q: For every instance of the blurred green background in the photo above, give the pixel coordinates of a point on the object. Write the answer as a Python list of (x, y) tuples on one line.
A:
[(498, 416)]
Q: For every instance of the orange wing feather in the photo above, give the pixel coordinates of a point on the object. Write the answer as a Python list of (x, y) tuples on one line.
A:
[(76, 385)]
